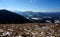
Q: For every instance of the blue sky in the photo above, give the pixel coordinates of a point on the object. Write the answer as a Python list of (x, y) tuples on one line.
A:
[(31, 5)]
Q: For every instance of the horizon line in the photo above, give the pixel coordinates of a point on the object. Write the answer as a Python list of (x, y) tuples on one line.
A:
[(29, 10)]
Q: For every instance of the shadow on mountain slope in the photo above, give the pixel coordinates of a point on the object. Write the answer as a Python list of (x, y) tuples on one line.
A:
[(10, 17)]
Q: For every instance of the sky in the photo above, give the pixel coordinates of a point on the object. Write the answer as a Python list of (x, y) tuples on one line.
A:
[(31, 5)]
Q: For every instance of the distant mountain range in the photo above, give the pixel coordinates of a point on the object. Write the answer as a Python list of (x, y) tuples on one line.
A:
[(31, 14), (11, 17), (7, 16), (40, 16)]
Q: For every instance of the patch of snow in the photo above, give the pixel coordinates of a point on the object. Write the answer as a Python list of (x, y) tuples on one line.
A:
[(18, 36), (33, 33), (48, 21), (42, 33), (52, 36), (6, 33), (27, 30), (10, 29), (47, 36), (1, 30), (45, 27), (35, 18), (57, 21)]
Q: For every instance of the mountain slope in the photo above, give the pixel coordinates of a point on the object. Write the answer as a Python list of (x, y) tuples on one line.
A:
[(10, 17), (40, 16)]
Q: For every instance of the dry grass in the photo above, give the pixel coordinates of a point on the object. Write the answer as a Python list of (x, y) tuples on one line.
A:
[(30, 30)]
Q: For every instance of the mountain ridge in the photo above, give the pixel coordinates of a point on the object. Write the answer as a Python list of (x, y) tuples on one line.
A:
[(11, 17), (52, 16)]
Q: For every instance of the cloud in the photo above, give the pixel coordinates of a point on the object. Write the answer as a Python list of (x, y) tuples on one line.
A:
[(32, 1)]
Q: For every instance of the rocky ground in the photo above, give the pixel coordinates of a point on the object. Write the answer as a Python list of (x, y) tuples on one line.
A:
[(30, 30)]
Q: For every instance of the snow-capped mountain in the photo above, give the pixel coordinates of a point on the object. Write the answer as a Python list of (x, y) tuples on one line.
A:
[(38, 16), (30, 14)]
